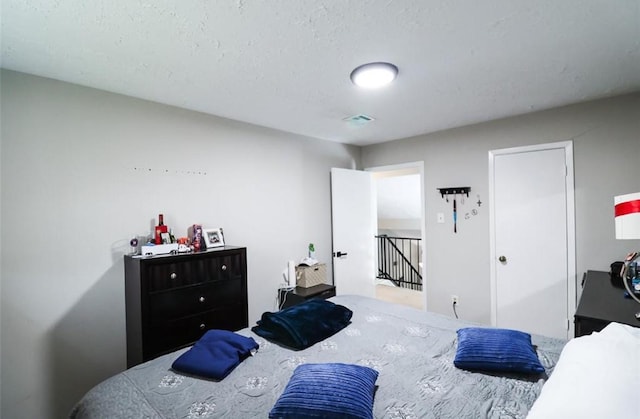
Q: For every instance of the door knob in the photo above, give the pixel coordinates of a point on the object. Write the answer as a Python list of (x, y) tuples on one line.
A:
[(340, 254), (502, 259)]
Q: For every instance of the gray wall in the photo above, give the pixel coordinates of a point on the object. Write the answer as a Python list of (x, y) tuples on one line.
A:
[(82, 172), (606, 138)]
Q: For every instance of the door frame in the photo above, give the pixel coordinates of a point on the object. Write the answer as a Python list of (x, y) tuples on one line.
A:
[(419, 167), (570, 217)]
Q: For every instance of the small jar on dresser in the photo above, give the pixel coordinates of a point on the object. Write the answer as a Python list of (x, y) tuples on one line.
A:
[(171, 300)]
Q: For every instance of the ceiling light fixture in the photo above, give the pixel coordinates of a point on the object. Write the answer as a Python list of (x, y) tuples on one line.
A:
[(374, 75)]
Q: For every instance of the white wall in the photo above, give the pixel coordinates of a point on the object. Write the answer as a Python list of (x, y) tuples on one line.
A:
[(82, 172), (399, 203), (1, 136), (606, 137)]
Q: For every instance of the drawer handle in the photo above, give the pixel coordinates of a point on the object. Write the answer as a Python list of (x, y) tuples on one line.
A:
[(173, 275), (224, 267), (202, 326), (201, 299)]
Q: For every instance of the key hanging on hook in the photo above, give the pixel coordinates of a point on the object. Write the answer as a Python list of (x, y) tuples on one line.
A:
[(455, 215)]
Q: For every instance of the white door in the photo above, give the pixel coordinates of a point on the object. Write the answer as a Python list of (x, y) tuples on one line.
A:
[(354, 225), (532, 208)]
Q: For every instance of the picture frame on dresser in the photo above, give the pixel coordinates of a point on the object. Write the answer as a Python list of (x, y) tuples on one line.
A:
[(166, 238), (213, 237)]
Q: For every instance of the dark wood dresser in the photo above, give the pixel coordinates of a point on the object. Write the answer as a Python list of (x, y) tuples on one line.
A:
[(603, 302), (171, 300)]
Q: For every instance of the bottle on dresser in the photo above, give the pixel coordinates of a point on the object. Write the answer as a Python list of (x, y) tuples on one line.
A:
[(160, 228)]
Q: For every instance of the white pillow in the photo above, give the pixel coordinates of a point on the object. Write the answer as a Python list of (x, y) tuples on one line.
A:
[(597, 376)]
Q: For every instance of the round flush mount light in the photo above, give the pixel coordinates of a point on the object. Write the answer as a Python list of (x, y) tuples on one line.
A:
[(374, 75)]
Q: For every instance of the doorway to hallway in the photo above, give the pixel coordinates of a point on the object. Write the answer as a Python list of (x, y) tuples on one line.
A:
[(400, 219)]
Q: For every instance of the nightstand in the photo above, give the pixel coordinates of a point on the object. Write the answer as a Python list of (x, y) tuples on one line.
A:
[(297, 295), (601, 303)]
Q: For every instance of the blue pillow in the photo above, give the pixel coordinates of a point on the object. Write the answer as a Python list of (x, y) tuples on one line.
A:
[(215, 354), (327, 391), (501, 350)]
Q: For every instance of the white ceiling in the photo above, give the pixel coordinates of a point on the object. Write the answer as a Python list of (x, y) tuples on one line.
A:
[(286, 64)]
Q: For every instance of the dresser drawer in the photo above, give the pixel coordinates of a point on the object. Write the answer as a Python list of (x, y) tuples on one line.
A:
[(194, 299), (168, 335), (225, 267), (166, 276), (170, 275)]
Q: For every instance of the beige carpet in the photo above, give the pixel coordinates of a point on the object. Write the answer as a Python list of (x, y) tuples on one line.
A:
[(400, 296)]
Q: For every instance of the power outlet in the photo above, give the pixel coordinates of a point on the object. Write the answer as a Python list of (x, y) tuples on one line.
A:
[(454, 299)]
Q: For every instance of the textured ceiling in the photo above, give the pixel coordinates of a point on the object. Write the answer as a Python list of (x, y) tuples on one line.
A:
[(286, 64)]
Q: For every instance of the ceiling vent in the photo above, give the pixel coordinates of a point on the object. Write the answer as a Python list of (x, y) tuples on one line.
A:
[(359, 119)]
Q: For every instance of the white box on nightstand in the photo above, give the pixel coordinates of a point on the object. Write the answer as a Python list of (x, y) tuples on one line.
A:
[(309, 276)]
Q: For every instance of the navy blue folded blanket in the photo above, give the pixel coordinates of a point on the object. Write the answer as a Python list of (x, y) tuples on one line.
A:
[(215, 354), (304, 324)]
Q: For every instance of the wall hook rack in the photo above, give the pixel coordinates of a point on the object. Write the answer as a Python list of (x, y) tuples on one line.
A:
[(455, 191)]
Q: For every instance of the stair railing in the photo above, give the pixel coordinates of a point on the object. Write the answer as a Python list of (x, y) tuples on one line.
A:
[(395, 265)]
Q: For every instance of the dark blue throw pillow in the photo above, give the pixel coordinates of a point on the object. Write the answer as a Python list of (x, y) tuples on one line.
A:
[(327, 391), (502, 350), (215, 354)]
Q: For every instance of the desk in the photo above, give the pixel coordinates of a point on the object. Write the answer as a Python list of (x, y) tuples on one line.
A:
[(603, 302)]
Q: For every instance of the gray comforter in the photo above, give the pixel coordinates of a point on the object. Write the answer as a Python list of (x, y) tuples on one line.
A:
[(412, 350)]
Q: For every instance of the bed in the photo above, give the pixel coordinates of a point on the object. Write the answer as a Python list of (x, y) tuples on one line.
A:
[(412, 351)]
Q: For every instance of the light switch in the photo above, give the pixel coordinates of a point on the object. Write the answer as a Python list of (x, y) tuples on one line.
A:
[(441, 218)]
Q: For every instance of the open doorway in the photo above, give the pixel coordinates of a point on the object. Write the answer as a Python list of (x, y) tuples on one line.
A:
[(400, 234)]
